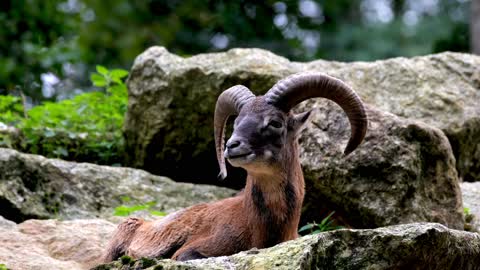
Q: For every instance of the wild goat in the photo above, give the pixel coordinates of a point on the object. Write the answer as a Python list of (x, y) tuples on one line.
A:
[(265, 143)]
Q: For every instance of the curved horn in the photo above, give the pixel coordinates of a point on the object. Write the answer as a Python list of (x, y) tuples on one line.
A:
[(230, 102), (299, 87)]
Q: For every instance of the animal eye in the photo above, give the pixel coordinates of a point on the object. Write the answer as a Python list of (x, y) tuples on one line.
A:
[(275, 124)]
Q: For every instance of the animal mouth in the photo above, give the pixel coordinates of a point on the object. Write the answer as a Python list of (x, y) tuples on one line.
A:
[(238, 156)]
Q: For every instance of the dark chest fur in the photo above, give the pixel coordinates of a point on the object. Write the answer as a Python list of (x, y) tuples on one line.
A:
[(276, 220)]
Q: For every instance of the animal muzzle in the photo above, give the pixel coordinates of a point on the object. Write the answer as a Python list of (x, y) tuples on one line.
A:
[(237, 148)]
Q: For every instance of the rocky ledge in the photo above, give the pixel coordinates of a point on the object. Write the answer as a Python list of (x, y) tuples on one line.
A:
[(33, 186), (78, 244), (409, 246)]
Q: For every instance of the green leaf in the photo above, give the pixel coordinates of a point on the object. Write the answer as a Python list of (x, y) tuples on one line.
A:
[(135, 208), (118, 89), (327, 220), (98, 80), (118, 74), (117, 80), (309, 226), (102, 70), (157, 213), (121, 211)]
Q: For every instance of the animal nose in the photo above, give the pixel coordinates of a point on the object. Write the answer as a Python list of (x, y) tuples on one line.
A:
[(231, 144)]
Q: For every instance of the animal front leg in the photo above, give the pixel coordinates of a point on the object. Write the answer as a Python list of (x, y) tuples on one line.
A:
[(189, 254), (156, 245), (121, 239), (210, 246)]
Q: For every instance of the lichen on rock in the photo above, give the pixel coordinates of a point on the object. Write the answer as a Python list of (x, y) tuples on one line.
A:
[(408, 246), (32, 186)]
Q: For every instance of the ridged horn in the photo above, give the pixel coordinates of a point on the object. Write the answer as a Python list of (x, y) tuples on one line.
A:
[(230, 102), (299, 87)]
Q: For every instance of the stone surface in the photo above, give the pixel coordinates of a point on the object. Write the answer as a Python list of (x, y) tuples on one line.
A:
[(410, 246), (79, 244), (471, 201), (32, 186), (171, 101), (53, 244), (5, 223), (403, 172)]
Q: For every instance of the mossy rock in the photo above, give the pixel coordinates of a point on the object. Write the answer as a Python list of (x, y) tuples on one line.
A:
[(409, 246), (33, 186)]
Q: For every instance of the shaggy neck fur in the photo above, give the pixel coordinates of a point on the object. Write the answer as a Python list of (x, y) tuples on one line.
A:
[(273, 201)]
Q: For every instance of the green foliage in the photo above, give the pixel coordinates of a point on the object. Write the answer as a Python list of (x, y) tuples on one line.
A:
[(11, 110), (147, 262), (325, 225), (36, 37), (124, 210), (339, 30), (39, 37), (469, 217), (85, 128), (126, 260), (110, 79), (3, 267)]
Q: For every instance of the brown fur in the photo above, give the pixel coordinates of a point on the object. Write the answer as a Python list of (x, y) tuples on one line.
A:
[(266, 213), (220, 228)]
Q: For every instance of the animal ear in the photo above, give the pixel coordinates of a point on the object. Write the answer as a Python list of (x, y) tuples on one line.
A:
[(299, 121)]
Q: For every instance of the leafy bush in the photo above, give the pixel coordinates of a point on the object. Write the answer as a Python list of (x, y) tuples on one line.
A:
[(11, 110), (85, 128)]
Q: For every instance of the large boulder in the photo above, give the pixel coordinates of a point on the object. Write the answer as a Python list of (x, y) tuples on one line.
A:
[(410, 246), (53, 244), (32, 186), (171, 101), (402, 171)]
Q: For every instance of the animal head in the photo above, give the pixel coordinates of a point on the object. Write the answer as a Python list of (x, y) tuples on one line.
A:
[(265, 128)]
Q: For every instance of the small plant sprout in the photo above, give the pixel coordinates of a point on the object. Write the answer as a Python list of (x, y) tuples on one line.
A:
[(325, 225), (124, 210)]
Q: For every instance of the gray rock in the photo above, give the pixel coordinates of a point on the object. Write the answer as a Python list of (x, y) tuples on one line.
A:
[(471, 202), (79, 244), (32, 186), (53, 244), (5, 223), (409, 246), (403, 171), (171, 101)]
